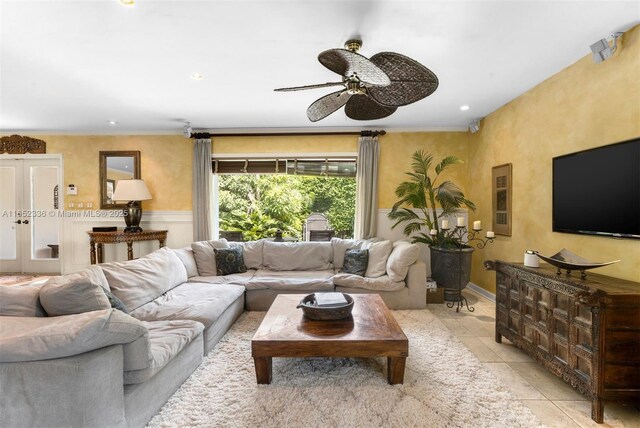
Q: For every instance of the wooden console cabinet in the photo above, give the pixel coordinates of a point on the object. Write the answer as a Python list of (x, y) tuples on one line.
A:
[(586, 331)]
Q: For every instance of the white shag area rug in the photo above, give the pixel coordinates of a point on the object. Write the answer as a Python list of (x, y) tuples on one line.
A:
[(444, 386)]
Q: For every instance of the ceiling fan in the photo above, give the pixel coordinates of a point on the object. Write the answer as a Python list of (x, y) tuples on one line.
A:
[(373, 87)]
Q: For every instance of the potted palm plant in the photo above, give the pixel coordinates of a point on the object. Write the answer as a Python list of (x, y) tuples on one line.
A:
[(423, 200)]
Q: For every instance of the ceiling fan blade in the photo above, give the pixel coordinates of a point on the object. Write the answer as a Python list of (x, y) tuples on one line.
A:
[(363, 107), (410, 80), (347, 63), (302, 88), (323, 107)]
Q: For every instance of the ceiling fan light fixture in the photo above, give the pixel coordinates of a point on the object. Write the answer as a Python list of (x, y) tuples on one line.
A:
[(373, 88)]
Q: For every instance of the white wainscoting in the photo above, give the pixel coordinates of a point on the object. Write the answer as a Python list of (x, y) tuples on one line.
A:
[(75, 246)]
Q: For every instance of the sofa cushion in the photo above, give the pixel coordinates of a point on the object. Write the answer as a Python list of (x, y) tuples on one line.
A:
[(252, 253), (378, 255), (186, 257), (166, 340), (236, 278), (205, 257), (93, 273), (32, 338), (137, 282), (403, 255), (381, 283), (191, 301), (72, 297), (288, 256), (355, 262), (291, 280), (21, 301), (340, 246), (229, 261)]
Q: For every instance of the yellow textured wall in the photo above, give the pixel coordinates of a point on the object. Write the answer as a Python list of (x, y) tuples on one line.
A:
[(165, 163), (585, 105), (395, 159)]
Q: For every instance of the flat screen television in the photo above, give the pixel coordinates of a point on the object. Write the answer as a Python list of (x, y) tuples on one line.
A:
[(597, 191)]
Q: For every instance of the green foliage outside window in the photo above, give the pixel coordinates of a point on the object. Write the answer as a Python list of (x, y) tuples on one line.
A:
[(258, 205)]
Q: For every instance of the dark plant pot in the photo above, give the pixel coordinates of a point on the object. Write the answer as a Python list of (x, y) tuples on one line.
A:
[(451, 269)]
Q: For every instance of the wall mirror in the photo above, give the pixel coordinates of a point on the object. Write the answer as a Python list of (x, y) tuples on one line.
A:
[(114, 166)]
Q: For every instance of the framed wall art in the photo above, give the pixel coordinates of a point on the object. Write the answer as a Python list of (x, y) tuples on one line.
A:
[(501, 192)]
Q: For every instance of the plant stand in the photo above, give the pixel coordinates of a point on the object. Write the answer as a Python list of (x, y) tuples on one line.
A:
[(469, 239)]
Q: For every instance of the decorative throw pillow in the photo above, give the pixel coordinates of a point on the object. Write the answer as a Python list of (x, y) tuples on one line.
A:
[(355, 262), (115, 302), (229, 260), (340, 246)]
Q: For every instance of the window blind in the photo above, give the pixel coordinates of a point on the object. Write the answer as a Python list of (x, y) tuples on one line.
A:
[(328, 167), (249, 166)]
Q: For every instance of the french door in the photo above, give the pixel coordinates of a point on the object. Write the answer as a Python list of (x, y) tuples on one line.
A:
[(30, 200)]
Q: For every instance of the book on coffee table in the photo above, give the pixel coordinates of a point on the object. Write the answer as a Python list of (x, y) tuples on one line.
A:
[(330, 299)]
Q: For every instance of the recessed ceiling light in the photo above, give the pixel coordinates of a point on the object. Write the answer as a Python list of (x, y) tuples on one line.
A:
[(113, 122), (128, 3), (197, 76), (464, 107)]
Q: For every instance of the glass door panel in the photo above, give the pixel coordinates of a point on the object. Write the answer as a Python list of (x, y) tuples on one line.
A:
[(41, 228), (10, 177), (44, 219)]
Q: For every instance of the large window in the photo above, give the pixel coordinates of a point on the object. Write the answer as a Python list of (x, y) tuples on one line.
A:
[(258, 197)]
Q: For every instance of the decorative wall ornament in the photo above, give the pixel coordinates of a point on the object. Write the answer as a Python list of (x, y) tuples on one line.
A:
[(19, 145), (501, 192)]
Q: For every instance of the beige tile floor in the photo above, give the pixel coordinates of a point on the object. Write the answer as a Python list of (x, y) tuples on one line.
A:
[(554, 402)]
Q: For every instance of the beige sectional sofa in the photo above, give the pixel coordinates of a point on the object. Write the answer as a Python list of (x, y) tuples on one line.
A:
[(307, 267), (89, 364)]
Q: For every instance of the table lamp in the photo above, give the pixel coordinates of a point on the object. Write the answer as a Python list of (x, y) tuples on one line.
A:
[(133, 191)]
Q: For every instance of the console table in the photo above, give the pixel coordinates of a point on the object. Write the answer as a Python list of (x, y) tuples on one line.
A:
[(96, 239), (586, 331)]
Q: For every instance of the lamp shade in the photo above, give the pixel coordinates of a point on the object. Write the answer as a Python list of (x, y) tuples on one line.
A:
[(131, 190)]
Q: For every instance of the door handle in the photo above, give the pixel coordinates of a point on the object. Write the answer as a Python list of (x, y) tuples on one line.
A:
[(25, 222), (18, 221)]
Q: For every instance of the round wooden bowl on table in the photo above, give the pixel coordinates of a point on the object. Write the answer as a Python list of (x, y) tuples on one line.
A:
[(320, 313)]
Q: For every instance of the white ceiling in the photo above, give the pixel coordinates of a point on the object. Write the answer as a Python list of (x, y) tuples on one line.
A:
[(71, 66)]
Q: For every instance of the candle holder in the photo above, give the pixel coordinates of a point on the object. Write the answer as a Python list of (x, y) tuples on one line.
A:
[(467, 239)]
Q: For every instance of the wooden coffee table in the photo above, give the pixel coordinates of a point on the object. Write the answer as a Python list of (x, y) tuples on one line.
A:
[(371, 331)]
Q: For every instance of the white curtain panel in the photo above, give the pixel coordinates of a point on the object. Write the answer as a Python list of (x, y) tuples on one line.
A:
[(367, 187), (202, 189)]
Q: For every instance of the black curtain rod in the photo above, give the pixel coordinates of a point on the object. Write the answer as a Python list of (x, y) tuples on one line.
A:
[(287, 134)]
